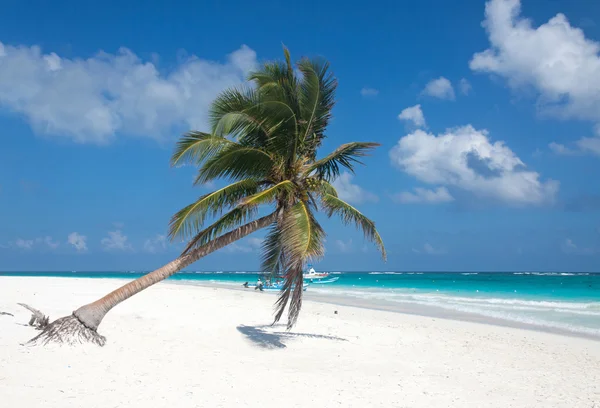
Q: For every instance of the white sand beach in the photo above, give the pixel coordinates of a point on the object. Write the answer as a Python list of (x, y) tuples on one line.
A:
[(189, 346)]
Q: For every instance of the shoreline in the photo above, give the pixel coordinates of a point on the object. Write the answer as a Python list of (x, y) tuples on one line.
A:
[(192, 345), (408, 309), (429, 311)]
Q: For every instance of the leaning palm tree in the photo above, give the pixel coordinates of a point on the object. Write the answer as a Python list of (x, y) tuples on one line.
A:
[(264, 140)]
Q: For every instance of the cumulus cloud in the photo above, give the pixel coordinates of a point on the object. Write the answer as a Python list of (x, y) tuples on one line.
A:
[(413, 114), (369, 92), (48, 242), (561, 149), (155, 244), (464, 86), (40, 243), (569, 247), (424, 195), (350, 192), (428, 249), (555, 59), (24, 243), (246, 245), (589, 145), (115, 241), (78, 241), (439, 88), (585, 145), (91, 100), (344, 246), (465, 158)]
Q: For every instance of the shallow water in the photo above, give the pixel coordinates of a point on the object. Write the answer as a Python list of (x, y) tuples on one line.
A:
[(558, 300)]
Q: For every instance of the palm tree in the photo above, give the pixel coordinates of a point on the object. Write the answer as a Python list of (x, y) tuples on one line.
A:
[(264, 140)]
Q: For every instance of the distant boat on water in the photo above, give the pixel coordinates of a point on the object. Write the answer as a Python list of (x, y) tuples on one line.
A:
[(315, 277)]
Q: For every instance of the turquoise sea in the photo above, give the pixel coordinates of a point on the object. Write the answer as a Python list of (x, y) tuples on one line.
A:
[(553, 300)]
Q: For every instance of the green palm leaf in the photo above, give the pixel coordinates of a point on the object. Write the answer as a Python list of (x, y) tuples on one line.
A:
[(237, 162), (270, 194), (346, 155), (234, 218), (272, 251), (195, 147), (321, 187), (301, 239), (349, 214), (189, 219), (317, 98)]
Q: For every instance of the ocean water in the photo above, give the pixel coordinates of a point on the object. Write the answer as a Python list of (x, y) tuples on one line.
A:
[(555, 300)]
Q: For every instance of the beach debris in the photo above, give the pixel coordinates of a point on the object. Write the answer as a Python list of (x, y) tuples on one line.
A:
[(67, 330), (335, 312), (38, 319), (7, 314)]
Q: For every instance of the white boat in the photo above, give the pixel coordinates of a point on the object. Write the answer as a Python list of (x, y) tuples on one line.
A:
[(315, 277)]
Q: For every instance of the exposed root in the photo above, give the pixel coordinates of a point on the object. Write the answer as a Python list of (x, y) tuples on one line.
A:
[(38, 319), (6, 314), (67, 330)]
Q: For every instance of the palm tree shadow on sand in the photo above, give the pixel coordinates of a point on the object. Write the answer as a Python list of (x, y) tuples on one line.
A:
[(276, 339)]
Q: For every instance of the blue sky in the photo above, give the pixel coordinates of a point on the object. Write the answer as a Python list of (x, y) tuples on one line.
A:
[(488, 115)]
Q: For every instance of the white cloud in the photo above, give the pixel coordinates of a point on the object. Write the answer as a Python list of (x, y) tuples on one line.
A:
[(561, 149), (556, 59), (156, 244), (465, 86), (115, 241), (589, 145), (569, 247), (246, 245), (344, 246), (439, 88), (424, 195), (413, 114), (28, 244), (352, 192), (465, 158), (24, 243), (429, 250), (369, 92), (585, 145), (48, 241), (78, 241), (90, 100)]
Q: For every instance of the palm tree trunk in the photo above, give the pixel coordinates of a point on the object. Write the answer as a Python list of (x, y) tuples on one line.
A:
[(82, 325), (91, 315)]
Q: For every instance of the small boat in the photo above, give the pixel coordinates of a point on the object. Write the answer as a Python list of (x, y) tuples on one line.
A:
[(312, 274), (322, 281), (317, 278)]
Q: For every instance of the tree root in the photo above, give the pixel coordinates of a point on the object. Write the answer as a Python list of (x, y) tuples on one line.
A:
[(67, 330), (38, 319), (6, 314)]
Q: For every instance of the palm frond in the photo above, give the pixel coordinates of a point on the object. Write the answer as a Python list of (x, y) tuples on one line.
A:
[(237, 112), (236, 162), (272, 252), (187, 221), (301, 239), (195, 147), (349, 214), (234, 218), (269, 194), (317, 98), (328, 168), (321, 187)]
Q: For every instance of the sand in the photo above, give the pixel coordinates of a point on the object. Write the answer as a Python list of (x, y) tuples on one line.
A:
[(188, 346)]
